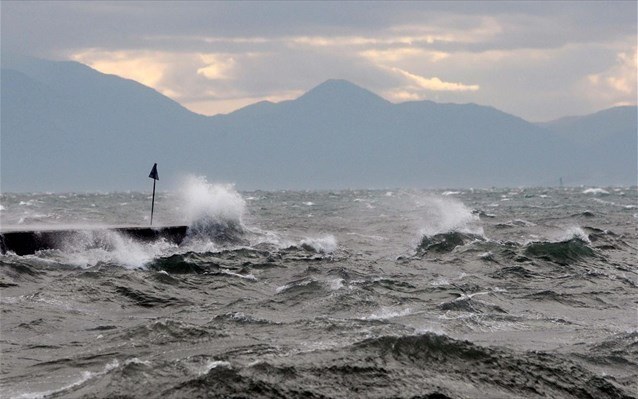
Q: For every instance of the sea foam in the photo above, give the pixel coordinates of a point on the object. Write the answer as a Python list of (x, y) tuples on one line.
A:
[(443, 215), (214, 212), (205, 201)]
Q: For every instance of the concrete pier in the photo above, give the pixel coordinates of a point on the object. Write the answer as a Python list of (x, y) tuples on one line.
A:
[(30, 241)]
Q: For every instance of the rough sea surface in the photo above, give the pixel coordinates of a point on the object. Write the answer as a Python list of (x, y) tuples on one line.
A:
[(501, 293)]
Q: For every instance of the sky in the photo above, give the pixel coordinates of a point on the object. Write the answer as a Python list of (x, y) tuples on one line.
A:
[(537, 60)]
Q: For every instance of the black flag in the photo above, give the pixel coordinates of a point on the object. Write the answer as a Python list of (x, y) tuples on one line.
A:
[(154, 174)]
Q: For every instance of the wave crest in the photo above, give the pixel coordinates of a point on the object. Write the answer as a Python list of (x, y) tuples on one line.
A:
[(562, 253), (214, 211), (445, 242)]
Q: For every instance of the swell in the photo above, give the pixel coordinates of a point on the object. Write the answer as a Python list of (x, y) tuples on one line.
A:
[(563, 253), (423, 366)]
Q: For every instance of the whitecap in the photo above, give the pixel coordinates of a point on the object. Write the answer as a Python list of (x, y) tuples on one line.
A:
[(335, 284), (574, 232), (441, 281), (286, 287), (85, 376), (387, 313), (214, 364), (596, 191), (326, 244), (444, 215), (244, 276)]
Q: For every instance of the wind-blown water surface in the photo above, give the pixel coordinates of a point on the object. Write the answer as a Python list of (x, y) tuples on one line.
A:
[(466, 294)]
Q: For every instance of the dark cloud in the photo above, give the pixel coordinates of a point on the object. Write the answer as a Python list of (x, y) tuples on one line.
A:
[(46, 28), (525, 56)]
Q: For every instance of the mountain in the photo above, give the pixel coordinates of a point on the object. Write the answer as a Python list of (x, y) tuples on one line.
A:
[(68, 127), (339, 134), (598, 126), (609, 136)]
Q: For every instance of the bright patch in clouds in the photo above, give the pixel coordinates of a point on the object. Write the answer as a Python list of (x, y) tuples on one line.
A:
[(434, 83), (618, 83), (403, 53), (228, 105), (217, 67), (189, 78), (404, 95), (145, 67)]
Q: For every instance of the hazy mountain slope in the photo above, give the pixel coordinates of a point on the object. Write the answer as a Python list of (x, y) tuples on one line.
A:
[(68, 127), (607, 142), (341, 135), (598, 126)]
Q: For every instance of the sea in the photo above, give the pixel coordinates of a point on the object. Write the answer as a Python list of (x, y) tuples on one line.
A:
[(399, 293)]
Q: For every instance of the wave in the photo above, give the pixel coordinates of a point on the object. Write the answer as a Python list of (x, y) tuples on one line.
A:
[(562, 253), (424, 365), (621, 348), (514, 223), (306, 286), (605, 239), (214, 215), (323, 245), (241, 318), (513, 271), (160, 332), (516, 374), (467, 304), (448, 224), (190, 262), (148, 300), (444, 215), (549, 295), (596, 191), (85, 377), (445, 242)]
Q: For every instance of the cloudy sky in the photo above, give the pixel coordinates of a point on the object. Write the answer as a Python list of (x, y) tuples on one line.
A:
[(538, 60)]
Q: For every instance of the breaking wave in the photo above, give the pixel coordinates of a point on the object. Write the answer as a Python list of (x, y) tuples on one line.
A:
[(443, 215), (448, 224), (214, 212), (325, 245)]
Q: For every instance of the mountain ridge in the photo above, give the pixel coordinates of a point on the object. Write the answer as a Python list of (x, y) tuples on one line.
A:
[(336, 135)]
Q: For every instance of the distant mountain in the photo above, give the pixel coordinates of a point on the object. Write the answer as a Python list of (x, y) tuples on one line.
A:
[(65, 126), (598, 126), (339, 134), (609, 136)]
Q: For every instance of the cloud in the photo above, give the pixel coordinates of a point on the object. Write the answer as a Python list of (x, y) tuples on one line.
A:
[(621, 77), (618, 83), (401, 95), (522, 57), (434, 84), (146, 67), (401, 54), (228, 105), (217, 66)]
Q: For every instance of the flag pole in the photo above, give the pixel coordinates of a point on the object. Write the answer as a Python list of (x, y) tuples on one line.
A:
[(153, 175), (153, 203)]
